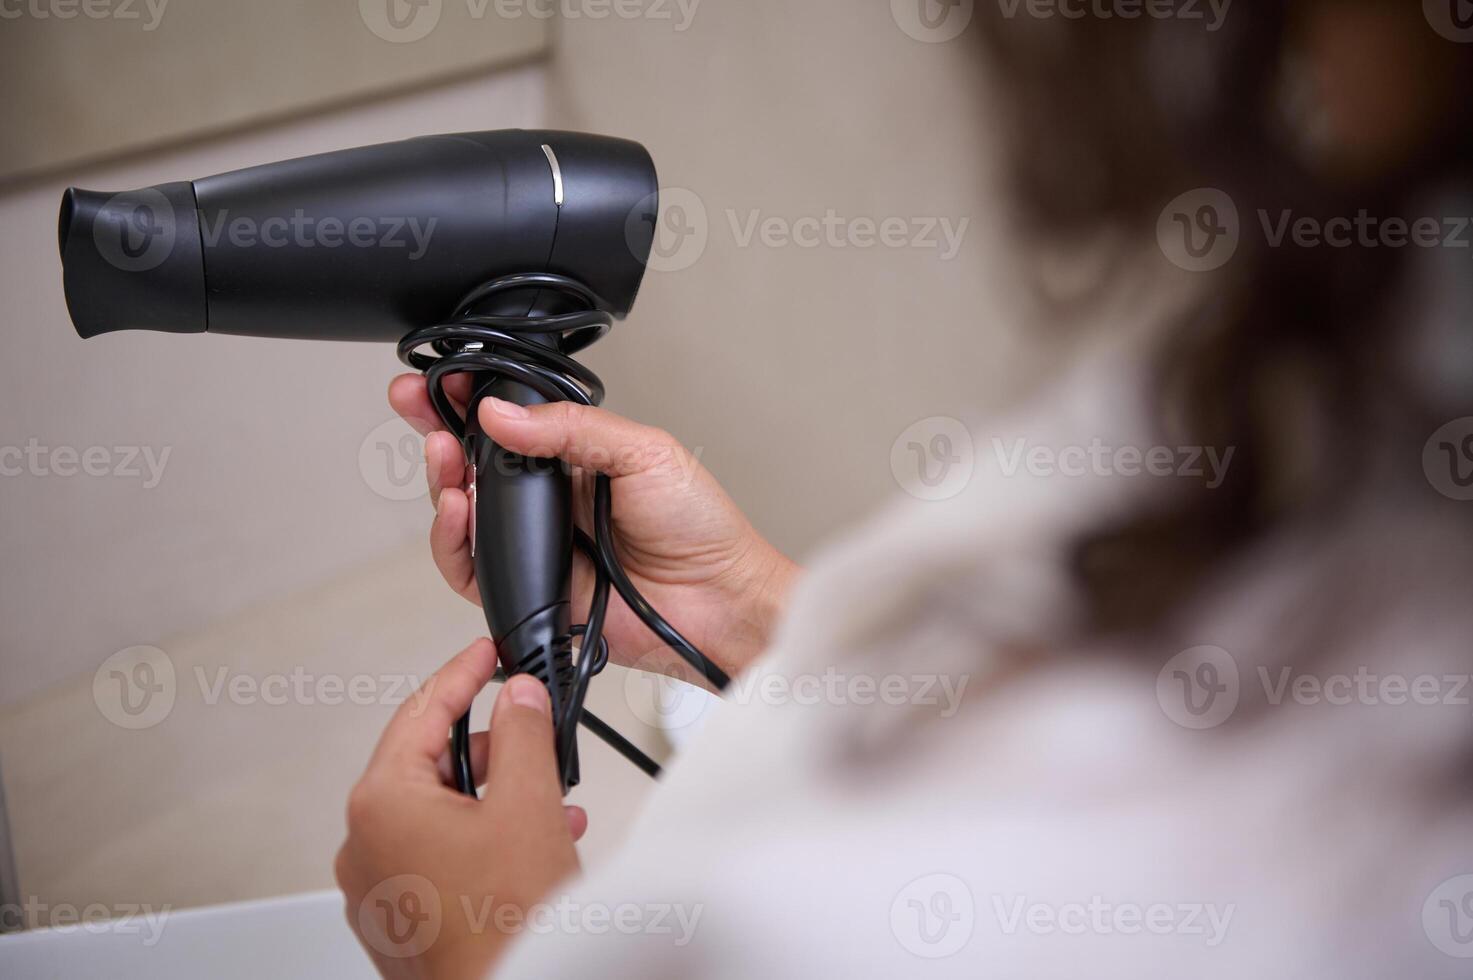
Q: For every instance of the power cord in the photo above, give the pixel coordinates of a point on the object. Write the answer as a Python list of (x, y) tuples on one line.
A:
[(518, 347)]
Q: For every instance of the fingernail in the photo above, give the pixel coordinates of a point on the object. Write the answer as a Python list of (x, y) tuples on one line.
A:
[(528, 692), (509, 410)]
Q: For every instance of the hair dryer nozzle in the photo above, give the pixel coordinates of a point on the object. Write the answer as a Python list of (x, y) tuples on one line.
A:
[(133, 261), (369, 243)]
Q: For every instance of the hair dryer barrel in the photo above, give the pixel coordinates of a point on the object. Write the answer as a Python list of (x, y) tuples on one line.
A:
[(360, 244)]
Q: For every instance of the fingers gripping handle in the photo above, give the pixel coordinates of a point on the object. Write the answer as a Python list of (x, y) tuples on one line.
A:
[(522, 540)]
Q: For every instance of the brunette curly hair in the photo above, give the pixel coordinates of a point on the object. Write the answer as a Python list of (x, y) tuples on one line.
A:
[(1111, 118)]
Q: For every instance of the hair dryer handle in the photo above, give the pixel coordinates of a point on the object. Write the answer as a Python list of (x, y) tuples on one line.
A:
[(522, 544)]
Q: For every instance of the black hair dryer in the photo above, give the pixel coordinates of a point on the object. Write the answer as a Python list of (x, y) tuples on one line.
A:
[(499, 253)]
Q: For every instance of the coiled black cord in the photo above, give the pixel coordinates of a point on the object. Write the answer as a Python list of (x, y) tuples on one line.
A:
[(503, 345)]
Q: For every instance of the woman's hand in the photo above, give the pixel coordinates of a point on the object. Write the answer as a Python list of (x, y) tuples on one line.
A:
[(683, 542), (437, 883)]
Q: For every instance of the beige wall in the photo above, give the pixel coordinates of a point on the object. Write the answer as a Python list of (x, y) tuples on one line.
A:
[(794, 368), (89, 82)]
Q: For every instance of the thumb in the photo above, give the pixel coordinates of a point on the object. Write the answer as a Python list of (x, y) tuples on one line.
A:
[(582, 435), (522, 762)]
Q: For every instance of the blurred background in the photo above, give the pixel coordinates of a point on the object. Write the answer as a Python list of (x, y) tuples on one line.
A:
[(251, 510)]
